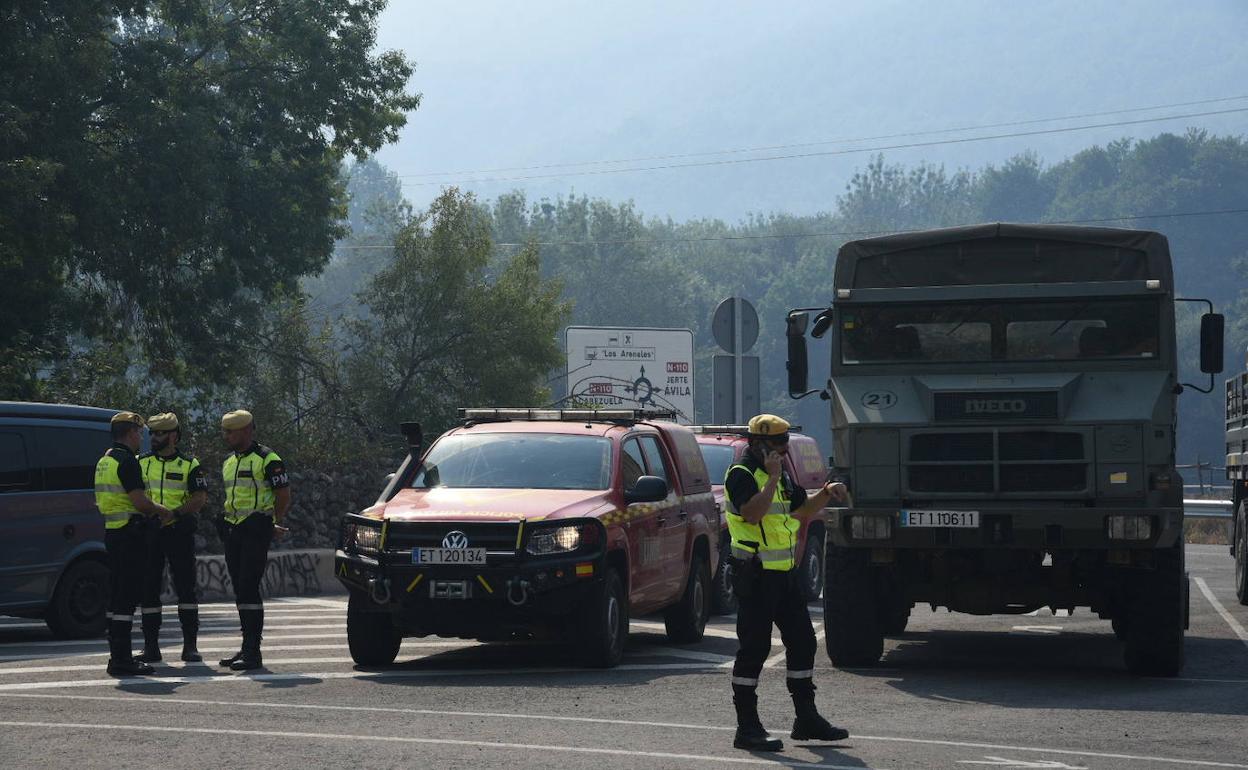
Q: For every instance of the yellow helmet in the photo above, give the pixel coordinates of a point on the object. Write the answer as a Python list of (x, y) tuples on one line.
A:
[(129, 417), (239, 418), (164, 421)]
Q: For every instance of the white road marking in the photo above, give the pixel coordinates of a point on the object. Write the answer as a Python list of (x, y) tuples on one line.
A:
[(1217, 605), (161, 701), (1047, 630), (456, 643), (1027, 763), (677, 652), (736, 760), (363, 675), (173, 635)]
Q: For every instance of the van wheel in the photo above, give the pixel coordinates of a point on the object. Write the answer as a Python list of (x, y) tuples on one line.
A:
[(812, 567), (723, 596), (371, 636), (1241, 554), (686, 620), (79, 603), (1153, 645), (604, 625), (855, 636)]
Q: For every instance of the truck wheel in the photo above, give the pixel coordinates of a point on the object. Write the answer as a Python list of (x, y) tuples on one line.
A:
[(1156, 611), (79, 601), (894, 617), (686, 620), (371, 636), (855, 636), (723, 597), (1241, 554), (812, 567), (604, 625)]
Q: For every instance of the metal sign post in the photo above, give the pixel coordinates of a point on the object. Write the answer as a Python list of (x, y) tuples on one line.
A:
[(735, 376)]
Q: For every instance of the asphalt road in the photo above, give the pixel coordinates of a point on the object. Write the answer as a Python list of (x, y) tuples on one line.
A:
[(955, 691)]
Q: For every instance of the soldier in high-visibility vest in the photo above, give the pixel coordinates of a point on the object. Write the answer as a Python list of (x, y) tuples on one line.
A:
[(120, 497), (176, 481), (257, 497), (762, 505)]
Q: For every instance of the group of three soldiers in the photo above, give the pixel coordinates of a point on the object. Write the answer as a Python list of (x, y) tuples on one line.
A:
[(150, 502)]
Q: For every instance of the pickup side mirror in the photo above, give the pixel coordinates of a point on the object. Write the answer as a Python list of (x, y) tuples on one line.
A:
[(648, 489), (415, 437), (795, 331), (1212, 326)]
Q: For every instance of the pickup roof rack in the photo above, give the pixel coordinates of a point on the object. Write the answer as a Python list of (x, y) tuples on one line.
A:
[(492, 414), (740, 430)]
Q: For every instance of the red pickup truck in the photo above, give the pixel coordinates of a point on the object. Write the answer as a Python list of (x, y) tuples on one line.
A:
[(548, 524), (723, 446)]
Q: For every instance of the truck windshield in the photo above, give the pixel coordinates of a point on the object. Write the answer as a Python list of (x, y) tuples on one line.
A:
[(517, 461), (718, 458), (966, 332)]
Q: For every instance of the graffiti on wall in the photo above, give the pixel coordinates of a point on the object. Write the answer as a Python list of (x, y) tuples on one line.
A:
[(289, 573)]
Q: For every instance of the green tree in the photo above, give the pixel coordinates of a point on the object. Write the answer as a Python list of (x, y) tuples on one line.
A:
[(172, 166)]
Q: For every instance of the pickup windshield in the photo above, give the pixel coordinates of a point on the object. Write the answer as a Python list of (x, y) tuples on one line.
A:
[(718, 458), (967, 332), (517, 461)]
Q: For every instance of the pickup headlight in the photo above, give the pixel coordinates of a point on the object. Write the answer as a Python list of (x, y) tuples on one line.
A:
[(361, 538), (563, 538)]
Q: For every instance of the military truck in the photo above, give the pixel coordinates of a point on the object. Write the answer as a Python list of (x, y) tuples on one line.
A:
[(1237, 474), (1003, 407)]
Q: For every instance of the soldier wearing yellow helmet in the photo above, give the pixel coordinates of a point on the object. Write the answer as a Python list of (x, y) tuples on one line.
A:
[(120, 497), (762, 505), (177, 481), (257, 498)]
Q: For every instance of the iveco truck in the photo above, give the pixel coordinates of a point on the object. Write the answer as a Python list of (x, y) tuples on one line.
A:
[(1003, 405)]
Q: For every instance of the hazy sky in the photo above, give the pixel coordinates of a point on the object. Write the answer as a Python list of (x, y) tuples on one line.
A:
[(510, 84)]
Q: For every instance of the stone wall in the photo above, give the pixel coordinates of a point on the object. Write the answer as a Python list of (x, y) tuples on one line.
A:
[(320, 498)]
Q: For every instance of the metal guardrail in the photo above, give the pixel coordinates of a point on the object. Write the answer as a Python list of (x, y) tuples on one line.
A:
[(1207, 509)]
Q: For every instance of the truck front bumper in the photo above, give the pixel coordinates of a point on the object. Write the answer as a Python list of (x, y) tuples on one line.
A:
[(492, 601), (1020, 528)]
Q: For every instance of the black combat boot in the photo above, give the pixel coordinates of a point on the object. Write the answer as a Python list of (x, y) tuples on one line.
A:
[(809, 724), (151, 635), (751, 735), (189, 618), (120, 660), (249, 656)]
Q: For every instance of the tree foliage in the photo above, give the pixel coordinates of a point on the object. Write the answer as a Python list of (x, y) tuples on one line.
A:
[(172, 166)]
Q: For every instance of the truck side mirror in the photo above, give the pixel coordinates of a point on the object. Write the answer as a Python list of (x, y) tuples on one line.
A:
[(647, 489), (795, 331), (1212, 326)]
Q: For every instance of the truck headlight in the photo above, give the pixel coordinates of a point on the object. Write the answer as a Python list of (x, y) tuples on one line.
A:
[(563, 538), (368, 540), (1129, 527), (870, 527)]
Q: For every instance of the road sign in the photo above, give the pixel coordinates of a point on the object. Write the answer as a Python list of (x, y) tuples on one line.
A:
[(724, 409), (635, 367), (724, 319)]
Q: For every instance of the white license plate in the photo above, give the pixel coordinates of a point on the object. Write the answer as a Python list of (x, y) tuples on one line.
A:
[(448, 556), (958, 519)]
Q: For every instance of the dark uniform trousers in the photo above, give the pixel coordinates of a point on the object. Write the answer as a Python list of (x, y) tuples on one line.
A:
[(124, 548), (174, 544), (246, 557), (767, 597)]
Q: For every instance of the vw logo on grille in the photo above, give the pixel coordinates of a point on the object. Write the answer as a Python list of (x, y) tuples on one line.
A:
[(455, 539)]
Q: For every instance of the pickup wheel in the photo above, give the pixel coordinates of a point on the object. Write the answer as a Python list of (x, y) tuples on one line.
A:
[(855, 634), (1241, 553), (79, 601), (723, 596), (1157, 610), (686, 620), (371, 636), (604, 625), (812, 567), (894, 617)]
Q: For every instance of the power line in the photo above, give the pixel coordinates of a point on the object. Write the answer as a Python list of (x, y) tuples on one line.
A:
[(827, 153), (774, 147), (833, 234)]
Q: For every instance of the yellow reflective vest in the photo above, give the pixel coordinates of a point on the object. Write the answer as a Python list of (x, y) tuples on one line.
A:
[(110, 496), (167, 479), (247, 489), (774, 539)]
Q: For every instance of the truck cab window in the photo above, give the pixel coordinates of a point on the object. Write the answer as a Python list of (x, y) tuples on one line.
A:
[(632, 464), (655, 463)]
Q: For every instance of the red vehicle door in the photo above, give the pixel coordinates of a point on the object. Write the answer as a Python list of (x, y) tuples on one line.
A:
[(672, 522), (641, 526)]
